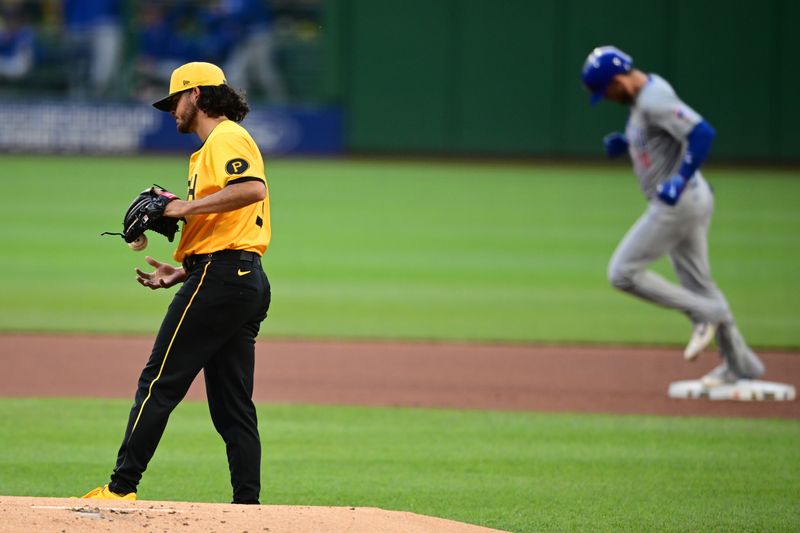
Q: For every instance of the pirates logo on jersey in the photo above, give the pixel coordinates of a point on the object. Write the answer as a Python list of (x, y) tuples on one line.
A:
[(235, 167)]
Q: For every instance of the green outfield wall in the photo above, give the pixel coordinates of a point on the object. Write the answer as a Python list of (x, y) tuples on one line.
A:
[(502, 76)]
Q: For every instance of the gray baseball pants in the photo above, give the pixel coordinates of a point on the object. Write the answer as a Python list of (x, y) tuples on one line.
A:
[(682, 232)]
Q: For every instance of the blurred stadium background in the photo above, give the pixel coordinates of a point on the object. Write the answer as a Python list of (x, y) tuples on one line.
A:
[(452, 77)]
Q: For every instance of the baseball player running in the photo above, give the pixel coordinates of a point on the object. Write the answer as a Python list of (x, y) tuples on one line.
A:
[(667, 142), (212, 322)]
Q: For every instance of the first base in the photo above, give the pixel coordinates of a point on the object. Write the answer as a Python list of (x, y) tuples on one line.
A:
[(744, 390)]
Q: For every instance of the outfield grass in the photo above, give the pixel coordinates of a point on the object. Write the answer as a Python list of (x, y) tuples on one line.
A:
[(405, 250), (514, 471)]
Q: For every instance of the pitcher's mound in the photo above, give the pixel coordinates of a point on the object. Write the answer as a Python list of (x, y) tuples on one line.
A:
[(74, 514)]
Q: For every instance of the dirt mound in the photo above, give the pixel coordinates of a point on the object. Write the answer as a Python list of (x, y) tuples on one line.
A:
[(74, 514)]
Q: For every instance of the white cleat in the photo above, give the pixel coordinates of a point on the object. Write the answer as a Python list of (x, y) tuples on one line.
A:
[(702, 334), (719, 376)]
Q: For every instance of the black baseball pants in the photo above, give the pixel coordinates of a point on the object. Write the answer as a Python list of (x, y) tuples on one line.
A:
[(211, 324)]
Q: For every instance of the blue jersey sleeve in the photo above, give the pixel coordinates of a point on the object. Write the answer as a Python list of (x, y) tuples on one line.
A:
[(699, 140)]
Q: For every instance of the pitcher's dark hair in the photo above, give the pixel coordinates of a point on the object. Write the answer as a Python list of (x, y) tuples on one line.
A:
[(218, 100)]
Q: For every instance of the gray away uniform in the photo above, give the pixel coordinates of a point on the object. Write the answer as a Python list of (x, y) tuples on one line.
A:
[(657, 129)]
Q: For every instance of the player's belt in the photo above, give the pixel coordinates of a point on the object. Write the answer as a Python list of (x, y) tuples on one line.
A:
[(235, 255)]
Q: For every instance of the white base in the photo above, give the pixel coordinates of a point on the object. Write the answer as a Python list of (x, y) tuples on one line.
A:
[(744, 390)]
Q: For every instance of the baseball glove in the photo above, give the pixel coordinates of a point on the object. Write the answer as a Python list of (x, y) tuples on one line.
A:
[(146, 212)]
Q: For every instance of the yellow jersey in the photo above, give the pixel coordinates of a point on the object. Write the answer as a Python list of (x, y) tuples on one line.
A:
[(229, 155)]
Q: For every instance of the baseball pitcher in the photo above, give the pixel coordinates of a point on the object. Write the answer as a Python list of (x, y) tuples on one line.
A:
[(214, 318)]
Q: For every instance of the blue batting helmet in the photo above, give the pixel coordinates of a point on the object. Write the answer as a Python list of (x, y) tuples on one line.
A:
[(601, 66)]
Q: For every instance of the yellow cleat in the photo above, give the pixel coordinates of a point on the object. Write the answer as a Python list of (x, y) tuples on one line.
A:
[(102, 493)]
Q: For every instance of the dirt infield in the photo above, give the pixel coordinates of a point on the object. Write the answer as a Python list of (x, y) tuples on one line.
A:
[(463, 376), (474, 376)]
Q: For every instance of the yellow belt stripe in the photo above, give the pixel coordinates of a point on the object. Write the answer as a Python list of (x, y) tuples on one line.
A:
[(150, 389)]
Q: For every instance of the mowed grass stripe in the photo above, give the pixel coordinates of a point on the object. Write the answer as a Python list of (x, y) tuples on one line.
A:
[(516, 471), (403, 250)]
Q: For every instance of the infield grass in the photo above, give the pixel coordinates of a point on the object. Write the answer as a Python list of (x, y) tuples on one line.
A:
[(401, 250), (515, 471)]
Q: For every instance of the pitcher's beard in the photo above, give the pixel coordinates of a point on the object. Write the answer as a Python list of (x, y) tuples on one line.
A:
[(187, 122)]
